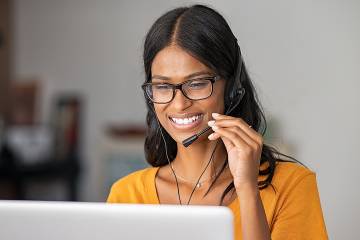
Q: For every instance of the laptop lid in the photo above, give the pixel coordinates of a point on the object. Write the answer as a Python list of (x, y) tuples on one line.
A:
[(98, 221)]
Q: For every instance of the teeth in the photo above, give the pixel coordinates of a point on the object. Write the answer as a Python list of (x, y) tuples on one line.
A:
[(185, 120)]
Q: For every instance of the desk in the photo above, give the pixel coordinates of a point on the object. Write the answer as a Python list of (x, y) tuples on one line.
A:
[(48, 170)]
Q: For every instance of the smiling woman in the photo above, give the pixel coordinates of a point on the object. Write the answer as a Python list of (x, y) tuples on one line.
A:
[(196, 78)]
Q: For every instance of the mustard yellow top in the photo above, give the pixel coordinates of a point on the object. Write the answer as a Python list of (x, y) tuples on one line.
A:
[(293, 210)]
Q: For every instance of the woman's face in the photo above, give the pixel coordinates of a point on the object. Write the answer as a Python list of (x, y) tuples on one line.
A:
[(183, 117)]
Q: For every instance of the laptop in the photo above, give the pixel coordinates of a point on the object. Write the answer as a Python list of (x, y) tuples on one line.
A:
[(37, 220)]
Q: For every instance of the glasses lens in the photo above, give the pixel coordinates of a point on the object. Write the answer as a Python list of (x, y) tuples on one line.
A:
[(159, 93), (198, 89)]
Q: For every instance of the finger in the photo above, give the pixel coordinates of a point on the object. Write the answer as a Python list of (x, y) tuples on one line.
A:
[(236, 130), (228, 144), (250, 141), (233, 137), (230, 122), (214, 136), (221, 116)]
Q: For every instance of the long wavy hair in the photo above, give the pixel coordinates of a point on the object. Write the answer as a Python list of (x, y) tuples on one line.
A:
[(203, 33)]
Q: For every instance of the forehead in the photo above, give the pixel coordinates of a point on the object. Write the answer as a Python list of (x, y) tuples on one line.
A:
[(174, 62)]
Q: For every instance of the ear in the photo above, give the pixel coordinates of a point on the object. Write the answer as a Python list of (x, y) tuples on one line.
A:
[(238, 95)]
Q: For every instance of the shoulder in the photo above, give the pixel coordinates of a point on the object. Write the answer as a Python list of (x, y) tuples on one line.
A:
[(136, 178), (291, 170), (290, 175), (133, 186)]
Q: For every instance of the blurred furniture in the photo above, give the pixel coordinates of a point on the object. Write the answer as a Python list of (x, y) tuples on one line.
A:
[(62, 164), (5, 48), (121, 151), (18, 178), (23, 101)]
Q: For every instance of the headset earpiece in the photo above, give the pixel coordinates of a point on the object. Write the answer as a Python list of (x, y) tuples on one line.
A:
[(239, 94), (236, 91)]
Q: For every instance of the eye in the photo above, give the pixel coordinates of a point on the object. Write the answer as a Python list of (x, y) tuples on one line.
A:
[(161, 87), (199, 84)]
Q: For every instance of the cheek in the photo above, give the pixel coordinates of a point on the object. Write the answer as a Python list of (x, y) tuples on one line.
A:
[(160, 112), (216, 101), (216, 105)]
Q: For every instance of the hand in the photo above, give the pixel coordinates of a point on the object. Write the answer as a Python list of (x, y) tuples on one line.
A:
[(243, 145)]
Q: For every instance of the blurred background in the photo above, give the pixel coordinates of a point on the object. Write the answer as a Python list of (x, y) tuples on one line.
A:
[(72, 114)]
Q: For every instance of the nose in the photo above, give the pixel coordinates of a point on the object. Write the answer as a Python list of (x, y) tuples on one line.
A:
[(180, 102)]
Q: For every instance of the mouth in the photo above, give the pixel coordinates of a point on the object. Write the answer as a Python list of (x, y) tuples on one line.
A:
[(188, 121)]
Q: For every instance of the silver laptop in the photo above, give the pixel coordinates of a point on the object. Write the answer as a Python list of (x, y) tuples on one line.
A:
[(99, 221)]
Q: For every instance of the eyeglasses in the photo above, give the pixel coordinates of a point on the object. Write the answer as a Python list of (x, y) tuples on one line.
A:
[(194, 89)]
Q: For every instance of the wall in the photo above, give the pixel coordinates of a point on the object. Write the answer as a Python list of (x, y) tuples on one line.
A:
[(303, 56)]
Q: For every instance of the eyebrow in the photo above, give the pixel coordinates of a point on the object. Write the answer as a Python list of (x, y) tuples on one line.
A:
[(188, 76)]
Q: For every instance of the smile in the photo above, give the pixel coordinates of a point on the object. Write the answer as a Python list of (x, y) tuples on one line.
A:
[(186, 122)]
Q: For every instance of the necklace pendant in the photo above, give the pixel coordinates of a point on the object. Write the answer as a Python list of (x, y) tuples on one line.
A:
[(198, 185)]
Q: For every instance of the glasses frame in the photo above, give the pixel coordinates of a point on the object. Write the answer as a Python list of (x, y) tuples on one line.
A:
[(179, 86)]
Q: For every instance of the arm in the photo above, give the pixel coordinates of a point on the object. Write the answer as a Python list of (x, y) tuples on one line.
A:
[(253, 219), (244, 147)]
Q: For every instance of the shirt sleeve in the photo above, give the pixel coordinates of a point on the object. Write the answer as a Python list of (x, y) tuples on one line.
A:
[(300, 214), (113, 196)]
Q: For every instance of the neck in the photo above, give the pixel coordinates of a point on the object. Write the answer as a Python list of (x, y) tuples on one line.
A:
[(190, 162)]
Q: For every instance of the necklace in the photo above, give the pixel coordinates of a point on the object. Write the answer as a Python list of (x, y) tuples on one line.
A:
[(198, 183)]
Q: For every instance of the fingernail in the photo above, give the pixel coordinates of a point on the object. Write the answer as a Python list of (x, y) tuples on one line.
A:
[(215, 115), (211, 136), (215, 127), (211, 123)]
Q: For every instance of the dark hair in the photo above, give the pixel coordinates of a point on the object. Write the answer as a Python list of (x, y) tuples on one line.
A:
[(204, 33)]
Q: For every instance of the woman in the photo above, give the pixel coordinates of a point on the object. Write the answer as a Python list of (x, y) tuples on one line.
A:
[(195, 78)]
